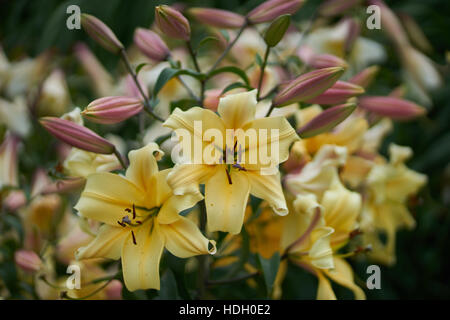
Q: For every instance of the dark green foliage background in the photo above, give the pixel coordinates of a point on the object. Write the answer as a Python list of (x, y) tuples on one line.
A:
[(422, 271)]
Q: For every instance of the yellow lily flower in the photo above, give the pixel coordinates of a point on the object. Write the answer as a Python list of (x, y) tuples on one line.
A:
[(388, 187), (140, 216), (227, 186)]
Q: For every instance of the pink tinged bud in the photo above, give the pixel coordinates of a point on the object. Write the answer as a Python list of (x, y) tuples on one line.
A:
[(27, 260), (101, 33), (326, 120), (110, 110), (331, 8), (340, 92), (14, 200), (390, 24), (77, 136), (321, 61), (394, 108), (151, 44), (272, 9), (365, 77), (353, 31), (217, 18), (212, 98), (307, 86), (114, 290), (172, 23), (415, 33), (64, 186)]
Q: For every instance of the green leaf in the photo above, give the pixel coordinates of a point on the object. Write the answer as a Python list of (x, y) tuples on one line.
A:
[(225, 34), (207, 41), (231, 69), (169, 73), (169, 289), (269, 268), (234, 86), (140, 66)]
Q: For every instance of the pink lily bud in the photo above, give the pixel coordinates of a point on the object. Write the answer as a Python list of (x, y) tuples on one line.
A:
[(307, 86), (271, 9), (172, 23), (212, 98), (77, 136), (365, 77), (340, 92), (114, 290), (391, 24), (395, 108), (218, 18), (15, 200), (353, 31), (151, 44), (332, 8), (320, 61), (415, 33), (64, 186), (27, 260), (110, 110), (326, 120), (101, 33)]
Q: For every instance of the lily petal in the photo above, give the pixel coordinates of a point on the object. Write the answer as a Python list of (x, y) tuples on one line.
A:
[(107, 244), (343, 274), (106, 196), (185, 178), (225, 202), (238, 109), (140, 261), (143, 165), (268, 187), (184, 239), (169, 212)]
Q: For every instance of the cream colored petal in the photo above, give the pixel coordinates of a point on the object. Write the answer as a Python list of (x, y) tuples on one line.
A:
[(273, 133), (225, 202), (143, 165), (343, 274), (159, 191), (324, 291), (341, 209), (321, 254), (107, 244), (237, 109), (106, 196), (268, 187), (140, 261), (169, 212), (183, 239), (185, 178)]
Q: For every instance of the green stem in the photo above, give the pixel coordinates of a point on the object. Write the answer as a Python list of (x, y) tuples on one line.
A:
[(193, 56), (261, 76), (228, 48), (270, 110), (237, 279), (203, 272), (130, 70), (120, 158), (64, 293)]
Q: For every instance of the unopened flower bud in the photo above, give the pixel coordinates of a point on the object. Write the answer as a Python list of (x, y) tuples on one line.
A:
[(271, 9), (27, 260), (172, 23), (365, 77), (217, 18), (394, 108), (109, 110), (307, 86), (277, 29), (77, 136), (332, 8), (340, 92), (101, 33), (326, 120), (320, 61), (151, 44)]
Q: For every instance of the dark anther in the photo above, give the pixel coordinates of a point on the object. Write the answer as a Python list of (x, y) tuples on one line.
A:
[(134, 238), (229, 177), (121, 223), (134, 212), (239, 167), (128, 210)]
